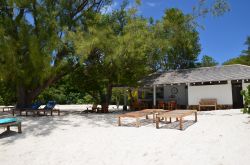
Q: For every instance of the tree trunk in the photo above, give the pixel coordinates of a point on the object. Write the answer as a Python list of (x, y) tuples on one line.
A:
[(106, 99), (24, 98)]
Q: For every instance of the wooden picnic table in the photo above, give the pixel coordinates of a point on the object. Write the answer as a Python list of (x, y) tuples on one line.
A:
[(178, 114), (139, 114)]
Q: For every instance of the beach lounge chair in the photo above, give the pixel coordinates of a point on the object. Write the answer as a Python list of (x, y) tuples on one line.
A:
[(33, 108), (9, 122), (49, 108)]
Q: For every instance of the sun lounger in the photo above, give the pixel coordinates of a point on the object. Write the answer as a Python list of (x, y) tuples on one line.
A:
[(49, 107), (178, 114), (8, 108), (139, 114), (9, 122), (33, 109)]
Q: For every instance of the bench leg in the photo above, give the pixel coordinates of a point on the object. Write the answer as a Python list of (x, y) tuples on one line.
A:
[(154, 117), (146, 116), (19, 127), (181, 127), (119, 121), (8, 128), (170, 120)]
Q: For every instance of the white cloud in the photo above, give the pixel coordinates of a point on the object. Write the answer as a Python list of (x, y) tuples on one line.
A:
[(151, 4)]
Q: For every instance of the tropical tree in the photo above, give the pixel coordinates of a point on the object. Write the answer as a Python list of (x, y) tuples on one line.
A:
[(34, 52), (116, 45), (183, 40), (244, 58), (207, 61)]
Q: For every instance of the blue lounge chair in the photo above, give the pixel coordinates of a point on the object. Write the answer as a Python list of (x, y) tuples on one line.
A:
[(33, 108), (8, 122), (49, 107)]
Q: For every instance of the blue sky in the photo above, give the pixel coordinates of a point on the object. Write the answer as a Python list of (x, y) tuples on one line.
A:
[(223, 37)]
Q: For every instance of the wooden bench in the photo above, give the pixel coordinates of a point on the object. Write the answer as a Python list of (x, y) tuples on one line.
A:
[(16, 124), (208, 103), (178, 114)]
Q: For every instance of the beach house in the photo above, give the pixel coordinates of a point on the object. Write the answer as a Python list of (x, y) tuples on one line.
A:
[(188, 86)]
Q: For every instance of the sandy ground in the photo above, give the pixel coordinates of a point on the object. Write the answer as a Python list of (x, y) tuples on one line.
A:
[(218, 138)]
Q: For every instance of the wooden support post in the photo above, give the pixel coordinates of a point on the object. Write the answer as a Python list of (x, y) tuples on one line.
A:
[(154, 95)]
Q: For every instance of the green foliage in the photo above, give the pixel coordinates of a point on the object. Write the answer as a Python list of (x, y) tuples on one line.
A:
[(183, 40), (1, 101), (33, 48), (244, 58), (63, 92), (207, 61), (116, 45), (246, 95)]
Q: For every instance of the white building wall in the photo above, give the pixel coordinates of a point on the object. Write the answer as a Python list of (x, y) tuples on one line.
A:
[(223, 93), (180, 97), (244, 85)]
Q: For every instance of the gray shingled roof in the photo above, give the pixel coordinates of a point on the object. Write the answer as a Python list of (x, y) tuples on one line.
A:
[(204, 74)]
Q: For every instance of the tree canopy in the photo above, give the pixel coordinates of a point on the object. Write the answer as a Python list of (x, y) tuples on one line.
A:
[(43, 41), (207, 61), (244, 58)]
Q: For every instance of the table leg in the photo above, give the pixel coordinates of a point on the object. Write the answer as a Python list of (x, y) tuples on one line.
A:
[(154, 117), (157, 122), (119, 121), (181, 123), (137, 122), (195, 114)]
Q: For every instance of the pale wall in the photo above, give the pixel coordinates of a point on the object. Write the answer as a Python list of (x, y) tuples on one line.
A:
[(180, 97), (244, 85), (223, 93)]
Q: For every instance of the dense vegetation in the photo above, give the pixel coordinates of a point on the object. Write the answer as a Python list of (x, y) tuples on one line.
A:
[(73, 52)]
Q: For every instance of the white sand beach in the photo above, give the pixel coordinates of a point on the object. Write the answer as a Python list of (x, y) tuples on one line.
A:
[(219, 137)]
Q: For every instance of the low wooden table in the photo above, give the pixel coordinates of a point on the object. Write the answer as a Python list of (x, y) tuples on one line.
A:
[(178, 114), (138, 114), (16, 124)]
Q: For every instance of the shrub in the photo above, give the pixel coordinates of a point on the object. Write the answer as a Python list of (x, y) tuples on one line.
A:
[(246, 95)]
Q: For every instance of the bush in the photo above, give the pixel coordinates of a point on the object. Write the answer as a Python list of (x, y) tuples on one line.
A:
[(246, 95)]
